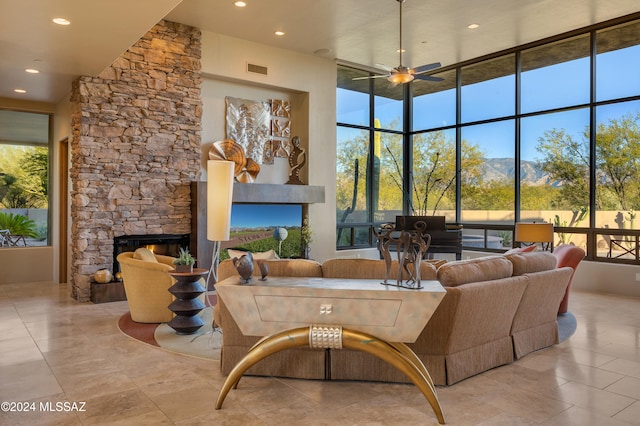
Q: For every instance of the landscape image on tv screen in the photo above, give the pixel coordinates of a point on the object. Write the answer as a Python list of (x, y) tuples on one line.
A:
[(262, 227)]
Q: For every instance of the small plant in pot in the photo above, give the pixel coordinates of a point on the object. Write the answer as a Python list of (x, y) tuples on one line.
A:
[(185, 261)]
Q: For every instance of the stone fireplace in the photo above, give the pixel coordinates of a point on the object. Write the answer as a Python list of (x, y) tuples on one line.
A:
[(135, 148)]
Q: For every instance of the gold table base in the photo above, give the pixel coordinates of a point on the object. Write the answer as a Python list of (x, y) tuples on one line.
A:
[(398, 355)]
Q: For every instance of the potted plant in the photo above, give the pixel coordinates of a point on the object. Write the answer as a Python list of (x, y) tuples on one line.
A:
[(185, 261)]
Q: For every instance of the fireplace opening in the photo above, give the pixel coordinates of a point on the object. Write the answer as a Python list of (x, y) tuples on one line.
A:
[(165, 244)]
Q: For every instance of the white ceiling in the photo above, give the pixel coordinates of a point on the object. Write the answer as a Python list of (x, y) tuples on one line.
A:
[(358, 31)]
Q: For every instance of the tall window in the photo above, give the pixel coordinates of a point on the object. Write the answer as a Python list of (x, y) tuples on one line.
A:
[(548, 133), (488, 89), (487, 173), (24, 179), (434, 175), (554, 168), (369, 164), (555, 75), (433, 172)]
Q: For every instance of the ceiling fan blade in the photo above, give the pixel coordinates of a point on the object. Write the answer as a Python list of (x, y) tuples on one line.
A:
[(384, 67), (369, 77), (427, 77), (425, 68)]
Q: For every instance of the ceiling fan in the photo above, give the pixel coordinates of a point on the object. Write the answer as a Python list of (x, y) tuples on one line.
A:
[(402, 74)]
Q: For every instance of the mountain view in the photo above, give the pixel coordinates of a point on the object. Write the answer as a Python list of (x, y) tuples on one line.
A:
[(503, 168)]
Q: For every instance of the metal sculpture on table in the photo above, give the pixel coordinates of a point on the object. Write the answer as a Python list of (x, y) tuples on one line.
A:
[(411, 246), (244, 265), (264, 269)]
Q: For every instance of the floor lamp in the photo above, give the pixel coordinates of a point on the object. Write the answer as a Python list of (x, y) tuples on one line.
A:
[(534, 233), (220, 176), (219, 199)]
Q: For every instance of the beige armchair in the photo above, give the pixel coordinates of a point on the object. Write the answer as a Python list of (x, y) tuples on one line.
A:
[(146, 284)]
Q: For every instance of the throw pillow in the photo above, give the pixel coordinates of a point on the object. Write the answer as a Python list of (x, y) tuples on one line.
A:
[(265, 255), (528, 263), (525, 249), (460, 272), (145, 255)]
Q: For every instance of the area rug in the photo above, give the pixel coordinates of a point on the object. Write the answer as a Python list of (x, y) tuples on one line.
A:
[(138, 330), (205, 343), (567, 325)]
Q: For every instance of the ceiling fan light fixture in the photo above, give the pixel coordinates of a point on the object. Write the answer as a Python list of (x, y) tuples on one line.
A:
[(400, 78), (402, 74)]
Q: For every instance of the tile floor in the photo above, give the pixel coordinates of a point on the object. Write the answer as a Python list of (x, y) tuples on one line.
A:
[(54, 350)]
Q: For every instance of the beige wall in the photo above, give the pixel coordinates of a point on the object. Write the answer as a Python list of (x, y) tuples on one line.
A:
[(309, 83), (22, 265)]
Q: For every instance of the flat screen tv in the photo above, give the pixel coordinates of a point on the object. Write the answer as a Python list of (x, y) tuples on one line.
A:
[(263, 227)]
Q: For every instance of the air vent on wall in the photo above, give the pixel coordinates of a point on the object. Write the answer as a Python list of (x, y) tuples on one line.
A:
[(256, 69)]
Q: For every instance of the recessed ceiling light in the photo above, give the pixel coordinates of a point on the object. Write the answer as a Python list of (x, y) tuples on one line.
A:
[(279, 33), (61, 21), (400, 50), (19, 90), (473, 26), (32, 71), (240, 4), (323, 51)]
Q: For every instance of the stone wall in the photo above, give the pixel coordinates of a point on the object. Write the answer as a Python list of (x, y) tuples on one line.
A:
[(135, 147)]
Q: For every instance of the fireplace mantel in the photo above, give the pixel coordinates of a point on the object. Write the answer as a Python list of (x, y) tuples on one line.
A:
[(277, 194)]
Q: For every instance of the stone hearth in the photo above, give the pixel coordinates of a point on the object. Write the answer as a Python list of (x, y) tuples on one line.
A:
[(135, 147)]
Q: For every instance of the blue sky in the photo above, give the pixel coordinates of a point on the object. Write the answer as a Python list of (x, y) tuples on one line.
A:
[(265, 215)]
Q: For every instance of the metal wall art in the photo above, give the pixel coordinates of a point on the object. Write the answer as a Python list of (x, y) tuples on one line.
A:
[(262, 129), (249, 125), (280, 129)]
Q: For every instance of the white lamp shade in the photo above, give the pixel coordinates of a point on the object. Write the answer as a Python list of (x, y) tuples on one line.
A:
[(219, 199), (534, 232)]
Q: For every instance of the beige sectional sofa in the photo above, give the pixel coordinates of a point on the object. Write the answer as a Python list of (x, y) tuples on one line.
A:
[(495, 311)]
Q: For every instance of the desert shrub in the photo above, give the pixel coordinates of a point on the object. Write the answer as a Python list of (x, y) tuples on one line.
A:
[(18, 224)]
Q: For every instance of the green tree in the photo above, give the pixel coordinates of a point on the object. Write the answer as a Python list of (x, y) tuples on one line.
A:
[(434, 172), (617, 164), (492, 195), (566, 160), (23, 176), (534, 196)]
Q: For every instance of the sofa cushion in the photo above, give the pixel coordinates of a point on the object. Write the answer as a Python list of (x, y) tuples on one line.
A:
[(487, 268), (145, 255), (293, 268), (277, 267), (371, 269), (265, 255), (527, 263)]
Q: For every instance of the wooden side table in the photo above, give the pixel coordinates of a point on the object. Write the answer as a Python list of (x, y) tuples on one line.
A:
[(186, 306)]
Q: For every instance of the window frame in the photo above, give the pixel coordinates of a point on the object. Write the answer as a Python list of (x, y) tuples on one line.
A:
[(590, 232)]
